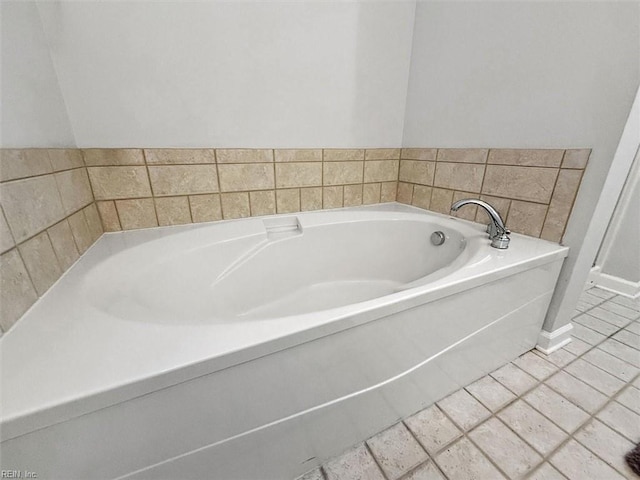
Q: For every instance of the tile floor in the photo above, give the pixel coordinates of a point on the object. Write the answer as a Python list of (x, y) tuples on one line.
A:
[(569, 415)]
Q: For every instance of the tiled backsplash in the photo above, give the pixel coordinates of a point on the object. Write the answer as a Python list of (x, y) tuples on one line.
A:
[(533, 190), (57, 202), (137, 188), (48, 220)]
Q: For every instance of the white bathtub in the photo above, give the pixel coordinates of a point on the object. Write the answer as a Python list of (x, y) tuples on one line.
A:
[(260, 347)]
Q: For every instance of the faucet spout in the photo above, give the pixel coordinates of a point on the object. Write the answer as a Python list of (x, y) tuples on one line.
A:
[(498, 232)]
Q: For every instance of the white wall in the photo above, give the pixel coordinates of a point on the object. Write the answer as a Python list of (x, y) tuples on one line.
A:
[(232, 74), (32, 110), (619, 255), (529, 74)]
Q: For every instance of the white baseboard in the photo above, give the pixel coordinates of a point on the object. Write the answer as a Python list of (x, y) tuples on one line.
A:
[(613, 284), (549, 342)]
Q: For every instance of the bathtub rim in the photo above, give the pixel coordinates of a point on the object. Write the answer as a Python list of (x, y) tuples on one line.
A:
[(27, 420)]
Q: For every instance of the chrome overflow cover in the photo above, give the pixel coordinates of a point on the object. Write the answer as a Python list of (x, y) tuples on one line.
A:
[(438, 238)]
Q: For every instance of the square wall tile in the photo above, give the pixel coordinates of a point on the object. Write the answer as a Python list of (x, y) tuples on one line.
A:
[(405, 193), (63, 244), (23, 163), (419, 154), (388, 191), (520, 183), (417, 171), (382, 154), (421, 196), (205, 208), (243, 155), (468, 212), (109, 216), (352, 195), (524, 157), (526, 218), (441, 200), (343, 154), (332, 197), (17, 293), (371, 193), (172, 180), (463, 155), (576, 158), (381, 170), (103, 157), (288, 201), (235, 205), (310, 199), (262, 203), (75, 190), (455, 176), (111, 183), (6, 237), (92, 217), (291, 174), (27, 212), (173, 210), (179, 155), (342, 173), (298, 155), (80, 230), (41, 262), (561, 204), (138, 213), (65, 158)]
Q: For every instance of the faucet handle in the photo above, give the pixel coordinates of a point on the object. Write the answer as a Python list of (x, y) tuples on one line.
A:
[(500, 241)]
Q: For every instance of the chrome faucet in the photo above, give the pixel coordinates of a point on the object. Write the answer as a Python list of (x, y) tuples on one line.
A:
[(498, 233)]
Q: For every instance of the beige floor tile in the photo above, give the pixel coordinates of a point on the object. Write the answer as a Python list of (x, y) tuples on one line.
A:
[(463, 409), (514, 378), (535, 365), (628, 338), (428, 471), (586, 334), (490, 393), (577, 346), (622, 420), (533, 427), (557, 408), (596, 324), (396, 451), (611, 364), (312, 475), (355, 464), (559, 357), (609, 317), (546, 472), (630, 398), (607, 444), (621, 351), (464, 461), (578, 463), (505, 448), (432, 428), (577, 392), (597, 378)]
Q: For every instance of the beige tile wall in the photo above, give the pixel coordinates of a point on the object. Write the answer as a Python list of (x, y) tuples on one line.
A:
[(48, 218), (138, 188), (56, 202), (533, 190)]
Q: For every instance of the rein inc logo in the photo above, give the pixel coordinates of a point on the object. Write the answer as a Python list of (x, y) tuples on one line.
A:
[(17, 474)]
